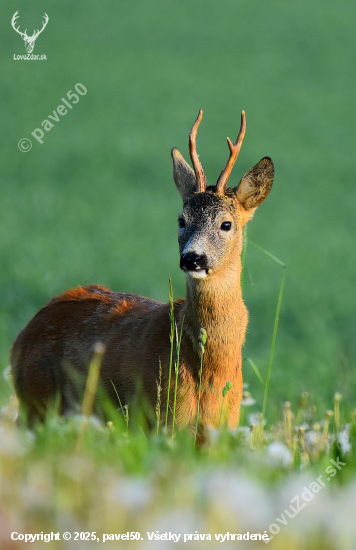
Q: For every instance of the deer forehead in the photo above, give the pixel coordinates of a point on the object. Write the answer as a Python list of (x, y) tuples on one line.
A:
[(208, 207)]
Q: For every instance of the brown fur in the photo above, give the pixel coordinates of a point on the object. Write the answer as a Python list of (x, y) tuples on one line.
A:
[(60, 339)]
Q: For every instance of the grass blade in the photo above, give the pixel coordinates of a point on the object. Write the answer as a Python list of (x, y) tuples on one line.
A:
[(158, 403), (171, 314), (276, 321), (202, 349), (177, 369), (255, 370), (90, 390), (271, 355)]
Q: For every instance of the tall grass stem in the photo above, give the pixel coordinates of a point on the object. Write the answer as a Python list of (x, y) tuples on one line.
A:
[(275, 328), (179, 341), (171, 314), (119, 400), (90, 390), (337, 399), (273, 345), (92, 379), (255, 370), (159, 391), (202, 350)]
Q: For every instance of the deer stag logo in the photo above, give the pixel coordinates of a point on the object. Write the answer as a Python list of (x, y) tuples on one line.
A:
[(29, 40)]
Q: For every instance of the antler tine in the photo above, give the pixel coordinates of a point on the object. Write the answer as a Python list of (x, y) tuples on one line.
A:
[(14, 17), (198, 169), (44, 23), (14, 20), (234, 153)]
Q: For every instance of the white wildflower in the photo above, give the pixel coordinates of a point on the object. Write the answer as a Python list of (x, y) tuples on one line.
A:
[(312, 440), (7, 374), (344, 440), (256, 418), (279, 454), (247, 400)]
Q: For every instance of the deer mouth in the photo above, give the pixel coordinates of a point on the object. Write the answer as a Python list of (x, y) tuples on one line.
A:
[(198, 274)]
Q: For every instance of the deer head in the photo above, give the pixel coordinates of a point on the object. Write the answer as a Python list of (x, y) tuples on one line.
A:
[(29, 40), (210, 225)]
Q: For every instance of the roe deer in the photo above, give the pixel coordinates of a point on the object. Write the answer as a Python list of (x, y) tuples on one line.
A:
[(136, 331)]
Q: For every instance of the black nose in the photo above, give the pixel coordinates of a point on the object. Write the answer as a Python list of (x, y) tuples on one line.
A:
[(193, 262)]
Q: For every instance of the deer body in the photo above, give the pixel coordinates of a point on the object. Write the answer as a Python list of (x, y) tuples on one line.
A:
[(136, 330)]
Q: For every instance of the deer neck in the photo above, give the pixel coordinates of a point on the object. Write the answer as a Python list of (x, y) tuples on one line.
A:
[(216, 304)]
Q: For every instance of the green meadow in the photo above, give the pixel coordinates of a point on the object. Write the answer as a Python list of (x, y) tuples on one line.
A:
[(96, 203)]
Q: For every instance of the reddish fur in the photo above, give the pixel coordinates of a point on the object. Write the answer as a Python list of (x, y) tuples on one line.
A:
[(85, 293)]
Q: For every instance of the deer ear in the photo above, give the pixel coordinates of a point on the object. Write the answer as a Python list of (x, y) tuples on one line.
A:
[(183, 175), (256, 184)]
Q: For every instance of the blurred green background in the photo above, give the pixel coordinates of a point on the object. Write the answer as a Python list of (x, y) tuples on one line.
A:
[(96, 201)]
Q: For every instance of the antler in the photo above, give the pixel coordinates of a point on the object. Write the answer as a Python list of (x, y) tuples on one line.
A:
[(198, 169), (13, 21), (234, 152), (35, 34)]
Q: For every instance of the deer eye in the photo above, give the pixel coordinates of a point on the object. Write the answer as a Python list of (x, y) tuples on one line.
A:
[(225, 226), (181, 223)]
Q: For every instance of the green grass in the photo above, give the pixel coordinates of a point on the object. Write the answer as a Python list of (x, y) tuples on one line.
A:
[(96, 203)]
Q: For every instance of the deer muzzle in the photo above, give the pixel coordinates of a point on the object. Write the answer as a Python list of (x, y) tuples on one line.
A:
[(193, 262)]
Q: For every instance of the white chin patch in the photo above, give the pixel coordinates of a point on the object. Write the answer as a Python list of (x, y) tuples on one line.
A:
[(201, 274)]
